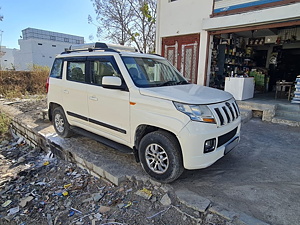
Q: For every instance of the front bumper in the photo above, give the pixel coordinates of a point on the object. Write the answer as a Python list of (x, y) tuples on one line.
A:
[(193, 136)]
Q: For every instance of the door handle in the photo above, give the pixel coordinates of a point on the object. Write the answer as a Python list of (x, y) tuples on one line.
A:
[(93, 98), (66, 91)]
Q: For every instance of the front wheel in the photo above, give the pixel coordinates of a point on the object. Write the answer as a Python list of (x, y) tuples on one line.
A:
[(160, 156), (60, 123)]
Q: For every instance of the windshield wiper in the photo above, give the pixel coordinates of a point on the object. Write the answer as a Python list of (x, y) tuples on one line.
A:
[(173, 82), (169, 83), (182, 82)]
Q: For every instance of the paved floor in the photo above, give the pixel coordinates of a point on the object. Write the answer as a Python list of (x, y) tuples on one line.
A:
[(261, 177)]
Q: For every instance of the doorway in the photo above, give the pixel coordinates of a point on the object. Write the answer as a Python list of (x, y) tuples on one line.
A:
[(183, 53)]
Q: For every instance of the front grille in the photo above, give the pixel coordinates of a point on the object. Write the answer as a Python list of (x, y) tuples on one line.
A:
[(225, 112), (226, 137)]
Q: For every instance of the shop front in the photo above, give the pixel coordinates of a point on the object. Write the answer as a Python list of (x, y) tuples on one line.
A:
[(268, 54), (255, 41)]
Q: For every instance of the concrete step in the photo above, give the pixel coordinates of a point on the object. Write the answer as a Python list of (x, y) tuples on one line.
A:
[(246, 115), (288, 114), (286, 121), (267, 110), (289, 107)]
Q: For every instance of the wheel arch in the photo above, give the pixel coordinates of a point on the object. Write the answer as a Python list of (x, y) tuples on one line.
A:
[(145, 129), (52, 106)]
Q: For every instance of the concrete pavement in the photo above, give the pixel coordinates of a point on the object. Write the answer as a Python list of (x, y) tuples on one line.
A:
[(260, 177)]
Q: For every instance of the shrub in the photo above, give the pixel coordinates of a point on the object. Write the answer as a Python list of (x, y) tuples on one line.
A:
[(20, 83), (4, 125)]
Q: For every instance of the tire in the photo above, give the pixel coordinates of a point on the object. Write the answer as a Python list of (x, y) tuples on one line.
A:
[(60, 123), (169, 166)]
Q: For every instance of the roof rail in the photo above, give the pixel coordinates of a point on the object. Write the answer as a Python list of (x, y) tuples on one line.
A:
[(98, 46)]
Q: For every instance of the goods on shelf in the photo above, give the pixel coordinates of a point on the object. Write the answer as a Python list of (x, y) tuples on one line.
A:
[(260, 79), (296, 98)]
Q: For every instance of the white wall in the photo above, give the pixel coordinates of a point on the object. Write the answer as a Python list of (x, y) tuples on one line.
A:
[(183, 17), (7, 58), (32, 53)]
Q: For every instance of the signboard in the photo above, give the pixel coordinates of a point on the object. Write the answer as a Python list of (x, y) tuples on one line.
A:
[(228, 5)]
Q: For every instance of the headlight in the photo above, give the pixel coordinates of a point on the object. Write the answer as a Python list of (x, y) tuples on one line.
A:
[(199, 113)]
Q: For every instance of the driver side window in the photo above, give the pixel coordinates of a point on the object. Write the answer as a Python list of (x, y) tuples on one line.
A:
[(99, 69)]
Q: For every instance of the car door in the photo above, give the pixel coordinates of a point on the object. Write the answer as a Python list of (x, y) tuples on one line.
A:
[(108, 108), (74, 91)]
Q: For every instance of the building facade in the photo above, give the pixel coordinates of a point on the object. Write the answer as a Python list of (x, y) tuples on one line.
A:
[(209, 40), (7, 58), (39, 47)]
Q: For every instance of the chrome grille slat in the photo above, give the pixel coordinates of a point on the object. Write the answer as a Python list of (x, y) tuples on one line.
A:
[(236, 112), (221, 118), (225, 112), (232, 113)]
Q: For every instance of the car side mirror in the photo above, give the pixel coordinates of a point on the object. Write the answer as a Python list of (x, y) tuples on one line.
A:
[(112, 82)]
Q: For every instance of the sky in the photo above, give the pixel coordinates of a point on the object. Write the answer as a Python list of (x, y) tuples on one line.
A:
[(63, 16)]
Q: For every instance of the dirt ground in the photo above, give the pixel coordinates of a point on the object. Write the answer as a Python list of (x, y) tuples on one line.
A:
[(38, 188)]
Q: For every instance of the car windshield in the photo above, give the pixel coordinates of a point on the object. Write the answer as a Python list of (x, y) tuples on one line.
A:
[(150, 72)]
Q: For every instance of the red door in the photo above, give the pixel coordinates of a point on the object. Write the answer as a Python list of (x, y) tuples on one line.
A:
[(183, 53)]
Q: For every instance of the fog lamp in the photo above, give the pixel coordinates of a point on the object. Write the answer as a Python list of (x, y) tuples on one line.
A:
[(209, 145)]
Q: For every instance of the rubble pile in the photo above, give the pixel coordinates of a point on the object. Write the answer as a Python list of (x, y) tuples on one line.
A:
[(37, 188)]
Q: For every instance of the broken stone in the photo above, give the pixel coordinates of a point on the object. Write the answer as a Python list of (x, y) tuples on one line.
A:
[(97, 196), (24, 201), (165, 200), (21, 159), (5, 142), (98, 216), (87, 200), (153, 199), (104, 209), (49, 219), (121, 205)]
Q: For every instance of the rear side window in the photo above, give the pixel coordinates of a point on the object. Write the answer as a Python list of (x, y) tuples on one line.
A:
[(76, 71), (56, 68)]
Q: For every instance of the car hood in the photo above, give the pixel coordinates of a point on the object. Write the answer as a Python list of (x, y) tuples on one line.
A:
[(188, 93)]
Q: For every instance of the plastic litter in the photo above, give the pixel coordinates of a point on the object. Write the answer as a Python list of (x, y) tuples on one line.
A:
[(46, 163), (13, 211), (76, 210), (145, 193), (71, 213), (67, 185), (7, 203), (128, 204)]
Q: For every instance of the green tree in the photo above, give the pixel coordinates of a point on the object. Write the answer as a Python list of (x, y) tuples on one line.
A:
[(126, 22)]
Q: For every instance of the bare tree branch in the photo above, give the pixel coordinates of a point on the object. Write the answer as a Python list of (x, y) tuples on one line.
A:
[(126, 22)]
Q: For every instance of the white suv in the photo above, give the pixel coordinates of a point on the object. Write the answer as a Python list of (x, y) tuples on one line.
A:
[(136, 101)]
